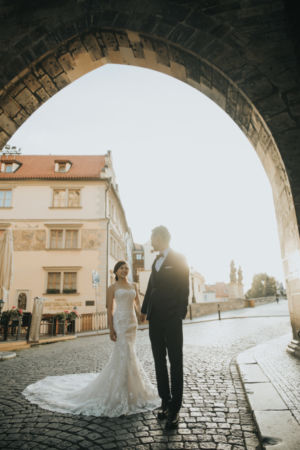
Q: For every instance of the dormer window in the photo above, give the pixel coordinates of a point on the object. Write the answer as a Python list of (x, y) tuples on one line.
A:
[(9, 166), (62, 166)]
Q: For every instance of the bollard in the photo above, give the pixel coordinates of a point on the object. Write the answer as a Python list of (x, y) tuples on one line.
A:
[(219, 311), (191, 312)]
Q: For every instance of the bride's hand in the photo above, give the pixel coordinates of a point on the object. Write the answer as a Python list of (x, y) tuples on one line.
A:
[(113, 335), (143, 317)]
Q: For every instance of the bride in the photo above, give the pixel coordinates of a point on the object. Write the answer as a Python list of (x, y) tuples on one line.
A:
[(122, 387)]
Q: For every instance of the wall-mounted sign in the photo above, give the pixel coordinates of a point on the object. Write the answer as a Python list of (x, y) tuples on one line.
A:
[(95, 278)]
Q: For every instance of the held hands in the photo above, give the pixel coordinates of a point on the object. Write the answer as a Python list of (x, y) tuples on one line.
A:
[(113, 335), (142, 317)]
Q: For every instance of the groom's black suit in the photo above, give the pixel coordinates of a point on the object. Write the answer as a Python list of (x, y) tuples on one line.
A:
[(165, 305)]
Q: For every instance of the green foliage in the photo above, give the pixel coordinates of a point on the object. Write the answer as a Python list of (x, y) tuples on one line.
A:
[(262, 286), (67, 315)]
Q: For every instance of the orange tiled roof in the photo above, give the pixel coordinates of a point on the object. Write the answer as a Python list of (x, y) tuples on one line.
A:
[(42, 166), (220, 288)]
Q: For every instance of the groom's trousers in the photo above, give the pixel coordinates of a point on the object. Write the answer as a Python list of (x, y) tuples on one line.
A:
[(166, 337)]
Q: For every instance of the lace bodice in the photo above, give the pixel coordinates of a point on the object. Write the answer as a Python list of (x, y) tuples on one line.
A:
[(124, 299), (121, 388)]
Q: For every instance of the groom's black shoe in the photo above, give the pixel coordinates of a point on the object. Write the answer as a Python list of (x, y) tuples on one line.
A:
[(163, 411), (172, 420)]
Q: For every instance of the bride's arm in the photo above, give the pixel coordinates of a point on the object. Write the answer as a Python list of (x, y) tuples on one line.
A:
[(110, 304), (137, 304)]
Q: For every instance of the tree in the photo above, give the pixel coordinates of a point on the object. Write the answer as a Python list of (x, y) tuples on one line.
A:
[(262, 286), (240, 275), (232, 272), (270, 287)]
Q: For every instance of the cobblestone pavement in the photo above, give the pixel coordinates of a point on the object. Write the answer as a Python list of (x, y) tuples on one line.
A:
[(215, 414)]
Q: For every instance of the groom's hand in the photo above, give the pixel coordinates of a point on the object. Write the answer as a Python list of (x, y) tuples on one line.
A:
[(113, 335), (143, 317)]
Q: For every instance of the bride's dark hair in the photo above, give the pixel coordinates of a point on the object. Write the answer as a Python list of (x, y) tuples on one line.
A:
[(117, 267)]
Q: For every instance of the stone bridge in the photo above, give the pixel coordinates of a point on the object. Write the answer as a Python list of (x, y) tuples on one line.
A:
[(243, 54)]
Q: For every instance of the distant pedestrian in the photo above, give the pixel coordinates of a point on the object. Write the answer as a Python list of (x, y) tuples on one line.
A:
[(277, 298)]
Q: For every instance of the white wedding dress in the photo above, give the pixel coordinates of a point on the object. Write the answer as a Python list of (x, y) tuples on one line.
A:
[(121, 388)]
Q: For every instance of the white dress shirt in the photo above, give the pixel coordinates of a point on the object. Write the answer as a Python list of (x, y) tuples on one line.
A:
[(161, 259)]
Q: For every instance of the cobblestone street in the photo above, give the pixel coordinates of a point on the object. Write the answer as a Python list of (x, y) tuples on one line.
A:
[(215, 414)]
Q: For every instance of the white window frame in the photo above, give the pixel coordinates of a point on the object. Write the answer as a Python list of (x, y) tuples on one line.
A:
[(15, 165), (62, 271), (67, 165), (66, 189), (11, 197), (64, 228)]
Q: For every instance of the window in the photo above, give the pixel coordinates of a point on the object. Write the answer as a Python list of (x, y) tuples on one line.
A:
[(56, 239), (59, 198), (138, 256), (8, 168), (62, 282), (66, 198), (5, 198), (63, 239), (71, 238), (69, 285), (73, 197), (53, 286), (62, 166)]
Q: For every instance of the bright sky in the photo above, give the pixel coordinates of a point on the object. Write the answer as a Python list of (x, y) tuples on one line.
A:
[(180, 161)]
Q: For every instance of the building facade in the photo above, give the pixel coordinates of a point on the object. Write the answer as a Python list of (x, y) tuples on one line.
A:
[(197, 286), (138, 261), (68, 223)]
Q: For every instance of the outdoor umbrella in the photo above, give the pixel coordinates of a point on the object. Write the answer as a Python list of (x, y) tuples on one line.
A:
[(6, 262)]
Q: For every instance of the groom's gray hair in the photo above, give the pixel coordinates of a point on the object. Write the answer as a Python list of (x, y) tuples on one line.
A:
[(163, 232)]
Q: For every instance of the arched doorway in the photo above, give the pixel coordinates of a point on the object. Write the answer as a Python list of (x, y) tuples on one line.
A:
[(22, 301), (241, 57)]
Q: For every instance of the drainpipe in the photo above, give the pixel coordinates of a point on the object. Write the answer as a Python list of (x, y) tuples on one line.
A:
[(107, 238)]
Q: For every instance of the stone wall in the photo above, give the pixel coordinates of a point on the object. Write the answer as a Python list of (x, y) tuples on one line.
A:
[(204, 309), (263, 300)]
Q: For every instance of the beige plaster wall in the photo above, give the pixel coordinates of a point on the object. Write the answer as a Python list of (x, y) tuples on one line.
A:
[(31, 218)]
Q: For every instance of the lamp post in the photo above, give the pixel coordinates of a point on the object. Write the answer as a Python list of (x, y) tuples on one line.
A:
[(96, 282), (193, 286)]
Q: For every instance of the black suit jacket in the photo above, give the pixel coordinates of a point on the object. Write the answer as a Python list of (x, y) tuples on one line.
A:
[(168, 289)]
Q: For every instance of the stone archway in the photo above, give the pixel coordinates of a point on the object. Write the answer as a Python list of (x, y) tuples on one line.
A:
[(240, 55)]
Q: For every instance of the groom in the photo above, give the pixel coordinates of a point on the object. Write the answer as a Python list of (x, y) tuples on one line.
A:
[(165, 306)]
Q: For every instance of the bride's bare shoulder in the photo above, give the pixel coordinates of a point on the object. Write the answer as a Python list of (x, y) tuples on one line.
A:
[(112, 287)]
